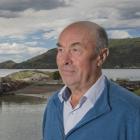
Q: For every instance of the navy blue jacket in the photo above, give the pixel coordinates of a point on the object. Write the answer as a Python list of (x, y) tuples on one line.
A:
[(115, 116)]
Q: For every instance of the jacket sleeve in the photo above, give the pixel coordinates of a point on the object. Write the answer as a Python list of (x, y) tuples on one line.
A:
[(44, 122), (137, 126)]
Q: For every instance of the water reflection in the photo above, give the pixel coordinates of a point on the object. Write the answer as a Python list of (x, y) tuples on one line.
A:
[(20, 99), (21, 117)]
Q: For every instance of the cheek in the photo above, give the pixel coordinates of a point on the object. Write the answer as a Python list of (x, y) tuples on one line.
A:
[(87, 66), (82, 62), (81, 66), (58, 60)]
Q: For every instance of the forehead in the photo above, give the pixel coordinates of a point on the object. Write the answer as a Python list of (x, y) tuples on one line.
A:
[(75, 34)]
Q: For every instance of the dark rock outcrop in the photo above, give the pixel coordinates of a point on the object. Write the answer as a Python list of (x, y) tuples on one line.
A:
[(7, 85)]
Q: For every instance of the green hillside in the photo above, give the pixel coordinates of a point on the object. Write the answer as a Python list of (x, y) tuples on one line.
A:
[(44, 61), (8, 64), (124, 53)]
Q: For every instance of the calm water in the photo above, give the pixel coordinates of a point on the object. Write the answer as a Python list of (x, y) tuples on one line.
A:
[(131, 74), (21, 117)]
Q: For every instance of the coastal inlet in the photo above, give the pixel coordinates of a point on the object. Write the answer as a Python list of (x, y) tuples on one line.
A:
[(30, 81), (24, 97), (41, 81)]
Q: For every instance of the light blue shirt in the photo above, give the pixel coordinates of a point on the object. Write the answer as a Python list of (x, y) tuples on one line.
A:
[(73, 115)]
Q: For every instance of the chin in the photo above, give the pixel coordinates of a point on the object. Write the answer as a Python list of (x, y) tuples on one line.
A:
[(68, 82)]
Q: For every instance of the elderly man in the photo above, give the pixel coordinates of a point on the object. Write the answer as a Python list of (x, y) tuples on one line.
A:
[(89, 106)]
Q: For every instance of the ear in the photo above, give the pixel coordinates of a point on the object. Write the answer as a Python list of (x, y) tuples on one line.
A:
[(102, 56)]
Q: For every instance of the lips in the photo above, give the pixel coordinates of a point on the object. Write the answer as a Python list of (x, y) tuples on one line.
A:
[(67, 71)]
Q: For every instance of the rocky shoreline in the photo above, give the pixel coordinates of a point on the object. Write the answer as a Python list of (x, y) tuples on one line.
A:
[(7, 86), (130, 85), (36, 82), (11, 87)]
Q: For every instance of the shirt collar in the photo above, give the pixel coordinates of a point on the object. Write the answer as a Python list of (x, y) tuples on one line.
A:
[(64, 94), (92, 94)]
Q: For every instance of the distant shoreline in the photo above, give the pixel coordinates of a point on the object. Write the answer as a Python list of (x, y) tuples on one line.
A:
[(131, 74), (43, 82)]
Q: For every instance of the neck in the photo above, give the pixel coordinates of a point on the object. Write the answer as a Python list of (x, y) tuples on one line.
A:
[(79, 91), (74, 100)]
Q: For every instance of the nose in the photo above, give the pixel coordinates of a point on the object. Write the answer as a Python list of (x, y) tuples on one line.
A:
[(65, 58)]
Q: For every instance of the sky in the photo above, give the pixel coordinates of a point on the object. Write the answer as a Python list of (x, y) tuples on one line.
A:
[(31, 27)]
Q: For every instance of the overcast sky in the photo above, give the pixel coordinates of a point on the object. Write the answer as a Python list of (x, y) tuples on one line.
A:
[(31, 27)]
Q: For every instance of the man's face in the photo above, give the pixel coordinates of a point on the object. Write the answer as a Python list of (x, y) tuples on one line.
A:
[(76, 58)]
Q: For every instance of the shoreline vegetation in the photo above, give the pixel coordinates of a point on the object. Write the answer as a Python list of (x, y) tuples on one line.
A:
[(43, 83), (31, 83)]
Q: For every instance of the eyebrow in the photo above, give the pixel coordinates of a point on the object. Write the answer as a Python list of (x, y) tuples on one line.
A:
[(58, 44), (72, 45), (76, 43)]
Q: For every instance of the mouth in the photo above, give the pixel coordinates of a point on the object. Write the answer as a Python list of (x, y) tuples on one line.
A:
[(67, 71)]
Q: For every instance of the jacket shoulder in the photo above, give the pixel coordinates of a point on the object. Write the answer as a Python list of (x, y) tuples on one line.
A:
[(123, 96), (53, 97)]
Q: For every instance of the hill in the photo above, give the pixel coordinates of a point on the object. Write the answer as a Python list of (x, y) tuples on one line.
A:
[(124, 53), (7, 64), (43, 61)]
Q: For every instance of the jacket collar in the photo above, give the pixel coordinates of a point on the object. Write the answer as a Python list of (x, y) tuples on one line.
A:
[(101, 107)]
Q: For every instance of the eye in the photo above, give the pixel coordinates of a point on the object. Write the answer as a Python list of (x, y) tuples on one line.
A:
[(59, 49), (75, 49)]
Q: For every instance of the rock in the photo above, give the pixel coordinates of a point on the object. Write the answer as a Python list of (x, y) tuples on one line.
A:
[(130, 85), (7, 85)]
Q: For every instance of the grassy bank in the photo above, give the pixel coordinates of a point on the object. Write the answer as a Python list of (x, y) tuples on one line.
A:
[(41, 82)]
